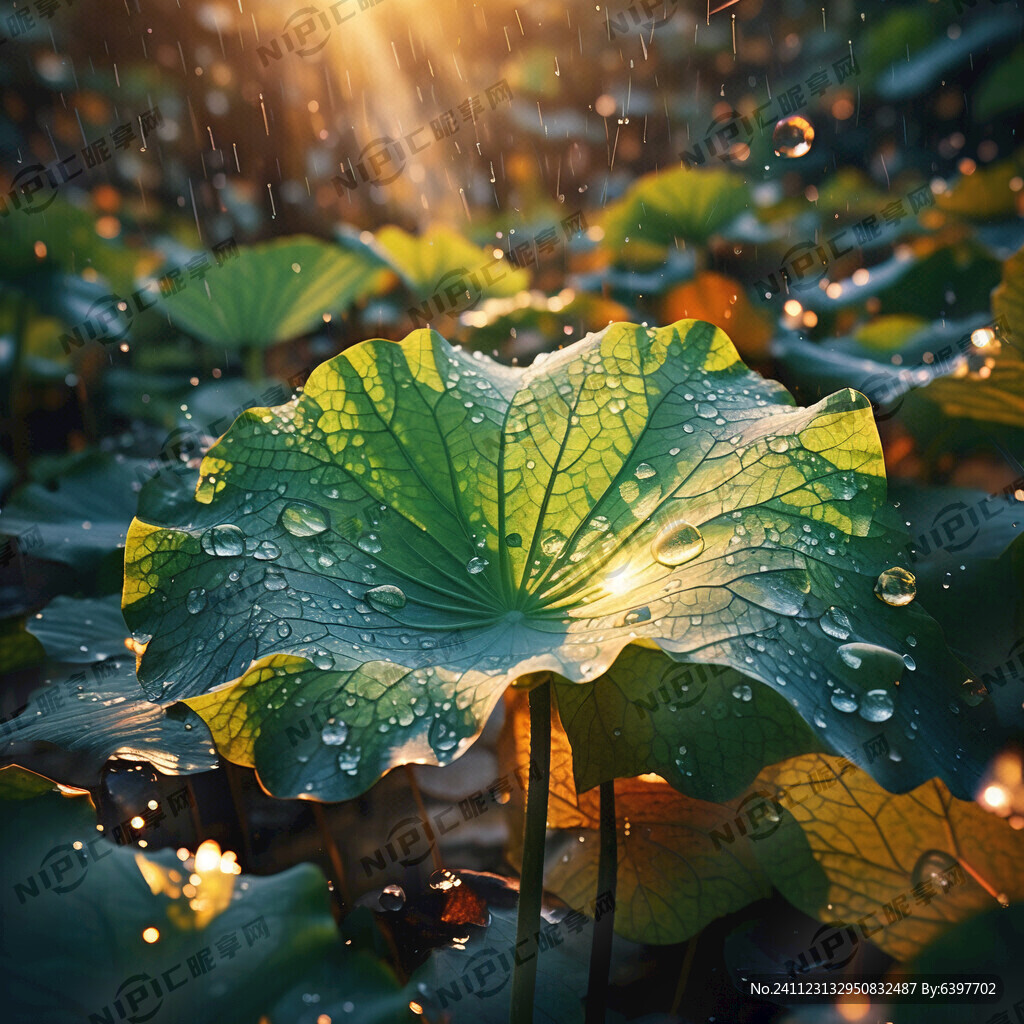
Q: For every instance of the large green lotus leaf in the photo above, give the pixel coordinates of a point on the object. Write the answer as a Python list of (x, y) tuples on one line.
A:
[(706, 729), (426, 263), (667, 205), (80, 631), (471, 983), (673, 878), (273, 292), (987, 944), (424, 523), (874, 850), (80, 515), (75, 907), (102, 713)]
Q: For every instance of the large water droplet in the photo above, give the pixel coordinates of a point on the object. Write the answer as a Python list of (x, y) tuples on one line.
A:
[(334, 733), (514, 540), (876, 706), (644, 471), (196, 601), (267, 551), (835, 623), (935, 866), (896, 587), (677, 542), (793, 137), (392, 898), (552, 543), (302, 520), (442, 880), (476, 565), (370, 543), (223, 541), (843, 701), (274, 581), (386, 598), (442, 736)]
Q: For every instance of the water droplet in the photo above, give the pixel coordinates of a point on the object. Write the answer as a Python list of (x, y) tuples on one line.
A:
[(392, 898), (778, 445), (370, 543), (513, 540), (896, 587), (644, 471), (743, 692), (196, 601), (267, 551), (637, 615), (677, 542), (386, 598), (793, 137), (876, 706), (835, 623), (302, 520), (284, 630), (934, 866), (843, 701), (476, 565), (442, 880), (274, 581), (552, 543), (223, 541), (442, 736), (973, 692), (334, 733)]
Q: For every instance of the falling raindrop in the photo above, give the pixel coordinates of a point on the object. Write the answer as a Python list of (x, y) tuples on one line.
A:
[(793, 137)]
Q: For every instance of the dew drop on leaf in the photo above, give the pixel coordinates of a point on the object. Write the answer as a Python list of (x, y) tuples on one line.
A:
[(386, 598), (677, 542), (392, 898), (637, 615), (223, 541), (334, 733), (552, 543), (876, 706), (835, 623), (302, 520), (843, 701), (644, 471), (793, 137), (196, 600), (896, 587), (476, 565), (442, 880), (513, 540)]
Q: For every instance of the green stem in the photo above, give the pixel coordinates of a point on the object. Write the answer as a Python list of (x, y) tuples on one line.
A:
[(531, 880), (604, 923)]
